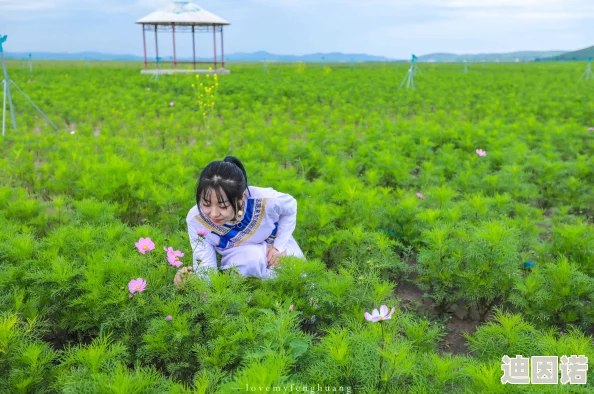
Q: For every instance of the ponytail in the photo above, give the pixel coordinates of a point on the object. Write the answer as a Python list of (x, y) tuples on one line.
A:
[(237, 162)]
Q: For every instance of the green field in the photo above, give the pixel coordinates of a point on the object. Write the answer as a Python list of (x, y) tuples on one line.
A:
[(395, 207)]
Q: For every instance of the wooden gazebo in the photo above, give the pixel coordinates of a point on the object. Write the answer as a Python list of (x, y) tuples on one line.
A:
[(183, 17)]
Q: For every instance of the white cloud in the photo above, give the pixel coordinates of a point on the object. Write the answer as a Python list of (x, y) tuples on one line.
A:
[(522, 15), (503, 10), (31, 5), (520, 9), (501, 3), (106, 6), (533, 10), (385, 27)]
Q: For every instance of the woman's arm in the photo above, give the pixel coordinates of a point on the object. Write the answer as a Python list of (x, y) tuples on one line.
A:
[(286, 207)]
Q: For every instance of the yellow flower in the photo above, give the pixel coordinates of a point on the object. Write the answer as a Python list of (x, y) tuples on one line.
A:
[(193, 86)]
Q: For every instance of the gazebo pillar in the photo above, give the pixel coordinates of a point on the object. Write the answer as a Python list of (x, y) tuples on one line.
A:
[(194, 45), (174, 55), (222, 48), (214, 37), (157, 43), (144, 43)]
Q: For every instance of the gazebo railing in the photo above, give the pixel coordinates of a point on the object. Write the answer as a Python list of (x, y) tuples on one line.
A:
[(157, 27), (181, 62)]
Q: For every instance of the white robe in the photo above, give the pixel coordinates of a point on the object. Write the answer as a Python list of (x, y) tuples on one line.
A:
[(269, 219)]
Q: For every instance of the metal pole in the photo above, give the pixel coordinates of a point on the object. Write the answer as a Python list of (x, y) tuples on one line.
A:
[(403, 81), (214, 37), (157, 44), (222, 48), (174, 55), (33, 104), (144, 43), (588, 73), (4, 110), (14, 125), (194, 45)]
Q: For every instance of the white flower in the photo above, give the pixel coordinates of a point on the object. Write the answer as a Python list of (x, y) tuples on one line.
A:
[(72, 132), (383, 314)]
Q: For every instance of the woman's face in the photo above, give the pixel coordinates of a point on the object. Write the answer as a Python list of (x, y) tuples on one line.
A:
[(219, 213)]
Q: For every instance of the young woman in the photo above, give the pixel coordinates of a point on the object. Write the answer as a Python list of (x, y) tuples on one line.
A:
[(250, 227)]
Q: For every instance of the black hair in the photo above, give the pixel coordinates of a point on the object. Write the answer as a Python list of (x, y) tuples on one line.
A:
[(227, 175)]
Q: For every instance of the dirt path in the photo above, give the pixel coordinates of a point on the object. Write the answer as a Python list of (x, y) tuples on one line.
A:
[(456, 322)]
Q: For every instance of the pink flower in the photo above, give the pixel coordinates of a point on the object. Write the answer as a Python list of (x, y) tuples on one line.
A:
[(131, 296), (420, 195), (481, 152), (137, 285), (381, 315), (173, 256), (169, 318), (291, 307), (202, 232), (144, 245), (171, 104), (591, 128), (36, 117)]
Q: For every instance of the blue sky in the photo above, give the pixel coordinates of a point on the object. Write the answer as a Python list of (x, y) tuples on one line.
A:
[(392, 28)]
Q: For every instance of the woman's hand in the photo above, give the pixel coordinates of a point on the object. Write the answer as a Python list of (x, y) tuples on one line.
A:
[(180, 275), (272, 255)]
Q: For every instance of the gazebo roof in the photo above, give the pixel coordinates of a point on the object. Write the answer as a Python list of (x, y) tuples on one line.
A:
[(182, 13)]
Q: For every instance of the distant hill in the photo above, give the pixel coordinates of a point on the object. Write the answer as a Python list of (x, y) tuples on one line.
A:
[(71, 56), (332, 57), (260, 56), (582, 54), (523, 56)]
